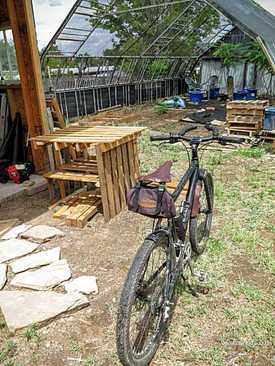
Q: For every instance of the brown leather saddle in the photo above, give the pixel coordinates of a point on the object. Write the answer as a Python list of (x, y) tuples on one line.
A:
[(161, 175)]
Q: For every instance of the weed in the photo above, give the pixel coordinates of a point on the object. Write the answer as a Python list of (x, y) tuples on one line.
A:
[(8, 350), (31, 334), (270, 227), (250, 292), (230, 314), (214, 355), (216, 247), (254, 153), (90, 361), (74, 345), (161, 109)]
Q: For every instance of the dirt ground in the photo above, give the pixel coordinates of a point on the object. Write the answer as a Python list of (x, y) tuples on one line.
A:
[(231, 325)]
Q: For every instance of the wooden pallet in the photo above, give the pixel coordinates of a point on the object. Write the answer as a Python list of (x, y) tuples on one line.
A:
[(248, 104), (72, 176), (109, 117), (84, 166), (232, 113), (245, 117), (268, 136), (79, 209), (245, 126), (241, 132), (82, 138)]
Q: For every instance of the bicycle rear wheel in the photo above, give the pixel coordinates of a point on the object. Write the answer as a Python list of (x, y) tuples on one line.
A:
[(200, 226), (141, 320)]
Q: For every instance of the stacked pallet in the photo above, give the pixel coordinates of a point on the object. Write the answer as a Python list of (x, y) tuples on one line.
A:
[(268, 136), (109, 117), (245, 118), (79, 209)]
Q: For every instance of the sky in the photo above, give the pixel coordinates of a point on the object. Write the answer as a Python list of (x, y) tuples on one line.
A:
[(49, 14)]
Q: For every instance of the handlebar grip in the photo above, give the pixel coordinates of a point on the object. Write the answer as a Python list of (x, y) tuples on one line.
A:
[(162, 137), (231, 139)]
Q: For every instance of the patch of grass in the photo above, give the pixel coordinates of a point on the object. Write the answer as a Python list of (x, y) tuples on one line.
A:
[(230, 314), (215, 247), (270, 227), (8, 351), (89, 361), (213, 355), (254, 153), (31, 334), (250, 292), (161, 109), (74, 346)]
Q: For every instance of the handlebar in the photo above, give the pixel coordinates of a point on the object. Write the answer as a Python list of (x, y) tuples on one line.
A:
[(174, 138)]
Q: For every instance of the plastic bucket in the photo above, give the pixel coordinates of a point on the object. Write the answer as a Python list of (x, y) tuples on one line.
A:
[(214, 93), (269, 118), (196, 96)]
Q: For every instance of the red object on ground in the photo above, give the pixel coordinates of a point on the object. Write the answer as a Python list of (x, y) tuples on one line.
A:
[(13, 173)]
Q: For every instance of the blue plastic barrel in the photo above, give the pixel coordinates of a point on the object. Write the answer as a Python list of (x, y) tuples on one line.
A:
[(196, 96), (269, 118), (251, 94), (214, 93)]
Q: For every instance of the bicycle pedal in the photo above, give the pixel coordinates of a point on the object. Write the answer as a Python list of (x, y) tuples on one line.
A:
[(201, 276)]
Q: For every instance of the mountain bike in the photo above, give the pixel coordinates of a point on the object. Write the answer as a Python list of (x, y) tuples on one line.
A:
[(149, 293)]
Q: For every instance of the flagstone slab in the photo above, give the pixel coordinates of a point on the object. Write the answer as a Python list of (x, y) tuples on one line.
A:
[(42, 233), (3, 275), (85, 284), (44, 278), (23, 309), (35, 260), (15, 248), (15, 232)]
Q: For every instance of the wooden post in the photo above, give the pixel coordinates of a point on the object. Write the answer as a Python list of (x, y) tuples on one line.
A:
[(23, 29)]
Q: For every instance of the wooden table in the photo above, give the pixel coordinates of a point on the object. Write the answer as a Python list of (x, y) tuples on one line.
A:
[(110, 158)]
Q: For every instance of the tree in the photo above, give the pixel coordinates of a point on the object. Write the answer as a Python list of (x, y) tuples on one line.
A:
[(133, 31), (232, 54)]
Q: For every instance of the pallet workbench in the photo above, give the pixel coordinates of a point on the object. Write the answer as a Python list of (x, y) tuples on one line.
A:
[(110, 161)]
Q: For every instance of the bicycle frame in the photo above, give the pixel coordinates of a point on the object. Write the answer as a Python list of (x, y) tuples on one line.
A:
[(175, 263)]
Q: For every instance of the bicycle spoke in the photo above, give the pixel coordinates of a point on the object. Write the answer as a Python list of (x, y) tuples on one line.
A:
[(143, 332)]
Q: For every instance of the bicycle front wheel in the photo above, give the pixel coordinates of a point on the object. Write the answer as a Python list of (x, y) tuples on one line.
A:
[(141, 320)]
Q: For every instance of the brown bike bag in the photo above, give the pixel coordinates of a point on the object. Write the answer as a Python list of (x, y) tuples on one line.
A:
[(151, 201)]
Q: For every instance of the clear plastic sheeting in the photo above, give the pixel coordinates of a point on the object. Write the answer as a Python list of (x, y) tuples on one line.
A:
[(100, 28)]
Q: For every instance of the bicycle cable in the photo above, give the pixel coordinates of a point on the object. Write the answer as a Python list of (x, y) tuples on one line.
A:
[(188, 152)]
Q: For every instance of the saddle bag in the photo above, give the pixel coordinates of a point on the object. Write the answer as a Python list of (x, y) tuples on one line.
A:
[(149, 200)]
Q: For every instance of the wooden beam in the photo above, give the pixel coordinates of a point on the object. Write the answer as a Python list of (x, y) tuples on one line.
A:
[(4, 16), (23, 29)]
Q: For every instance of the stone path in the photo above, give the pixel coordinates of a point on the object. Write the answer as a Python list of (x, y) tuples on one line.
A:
[(45, 278), (22, 309), (41, 233), (14, 248), (36, 307), (35, 260), (85, 284)]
